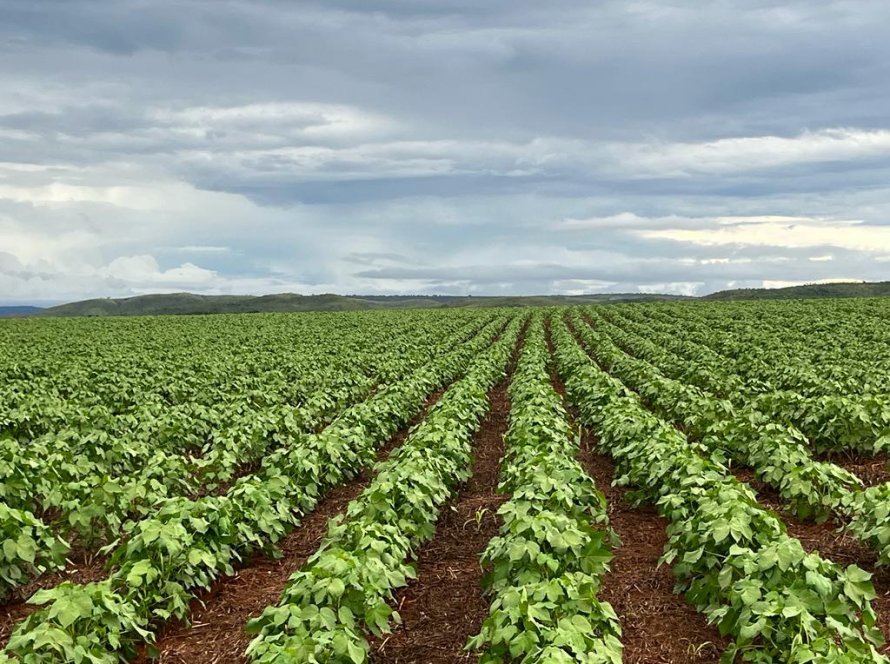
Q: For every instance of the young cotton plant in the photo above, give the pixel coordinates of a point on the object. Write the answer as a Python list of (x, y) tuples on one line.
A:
[(558, 620), (29, 548), (346, 587), (732, 557), (554, 545), (869, 518), (76, 626), (185, 545)]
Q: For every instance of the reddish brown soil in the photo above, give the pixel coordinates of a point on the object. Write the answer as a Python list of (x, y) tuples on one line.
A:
[(217, 634), (658, 627), (872, 470), (81, 568), (446, 604), (832, 543)]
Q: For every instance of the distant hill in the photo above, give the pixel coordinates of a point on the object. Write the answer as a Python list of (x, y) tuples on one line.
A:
[(845, 289), (187, 303), (9, 312)]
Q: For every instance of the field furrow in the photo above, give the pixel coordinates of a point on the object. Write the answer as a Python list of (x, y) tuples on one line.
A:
[(444, 605), (732, 558), (215, 631), (647, 482)]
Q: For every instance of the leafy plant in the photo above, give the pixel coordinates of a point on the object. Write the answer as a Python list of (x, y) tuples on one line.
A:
[(731, 557), (347, 585), (554, 544), (186, 544)]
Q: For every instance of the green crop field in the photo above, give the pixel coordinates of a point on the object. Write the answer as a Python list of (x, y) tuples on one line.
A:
[(680, 481)]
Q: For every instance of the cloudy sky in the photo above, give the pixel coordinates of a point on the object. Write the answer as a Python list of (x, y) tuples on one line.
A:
[(379, 146)]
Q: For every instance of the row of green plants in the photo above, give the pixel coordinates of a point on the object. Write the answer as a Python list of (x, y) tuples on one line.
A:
[(735, 430), (86, 498), (732, 558), (837, 416), (90, 505), (815, 348), (34, 468), (554, 544), (188, 544), (85, 473), (868, 518), (824, 347), (777, 452), (90, 502), (347, 587), (112, 375)]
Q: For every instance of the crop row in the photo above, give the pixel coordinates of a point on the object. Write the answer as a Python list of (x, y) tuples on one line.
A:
[(77, 472), (835, 416), (814, 348), (92, 500), (554, 543), (188, 544), (777, 453), (346, 587), (69, 376), (732, 558), (33, 467)]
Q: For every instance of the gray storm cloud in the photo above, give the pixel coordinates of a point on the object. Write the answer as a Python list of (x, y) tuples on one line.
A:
[(383, 146)]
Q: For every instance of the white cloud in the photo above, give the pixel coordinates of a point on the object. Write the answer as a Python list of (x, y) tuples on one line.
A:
[(542, 156), (672, 288), (801, 232), (59, 194), (750, 153), (38, 248), (144, 270), (620, 220), (202, 249), (259, 122)]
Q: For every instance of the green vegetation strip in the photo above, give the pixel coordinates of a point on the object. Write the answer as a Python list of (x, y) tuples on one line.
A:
[(89, 476), (837, 401), (732, 558), (777, 452), (346, 586), (187, 544), (92, 481), (554, 544)]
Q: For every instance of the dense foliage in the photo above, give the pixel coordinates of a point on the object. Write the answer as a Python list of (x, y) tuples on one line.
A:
[(177, 448), (345, 587), (732, 558), (554, 546)]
